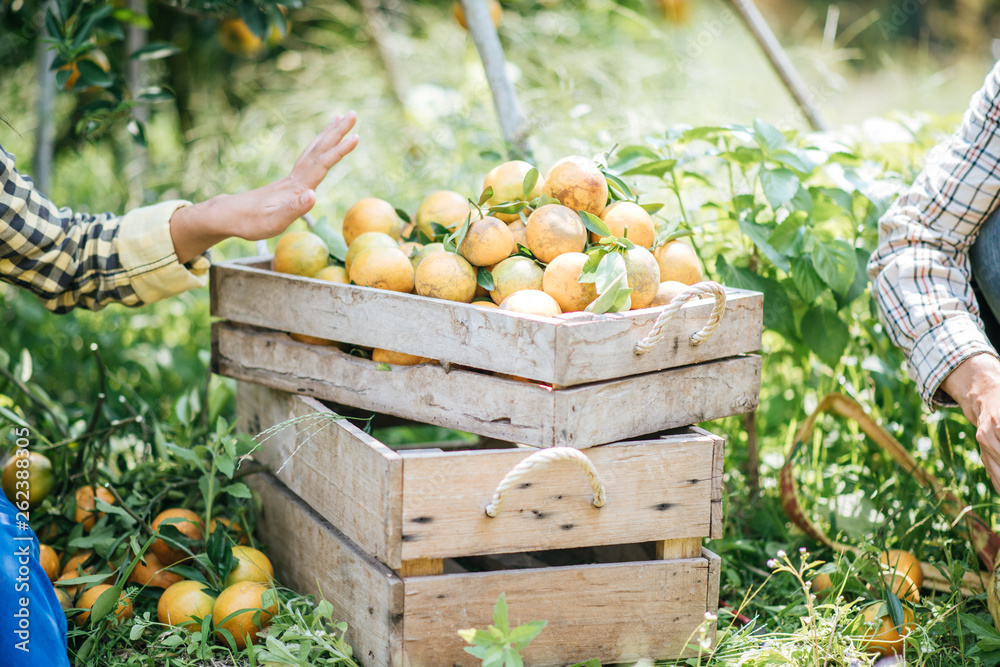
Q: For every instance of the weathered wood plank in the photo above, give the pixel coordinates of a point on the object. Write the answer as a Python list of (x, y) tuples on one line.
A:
[(563, 351), (580, 416), (685, 547), (603, 346), (616, 613), (421, 567), (656, 490), (311, 556), (342, 472)]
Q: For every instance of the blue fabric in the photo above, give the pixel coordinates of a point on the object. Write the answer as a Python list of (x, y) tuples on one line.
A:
[(32, 622), (984, 257)]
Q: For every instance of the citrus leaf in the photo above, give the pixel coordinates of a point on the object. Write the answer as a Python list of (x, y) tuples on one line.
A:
[(615, 183), (594, 224), (460, 233), (105, 604), (896, 614), (155, 51), (656, 168), (486, 194), (485, 279), (403, 215), (509, 208), (530, 180), (651, 208), (333, 239)]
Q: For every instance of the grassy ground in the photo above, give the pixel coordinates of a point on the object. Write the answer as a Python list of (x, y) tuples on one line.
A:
[(590, 74)]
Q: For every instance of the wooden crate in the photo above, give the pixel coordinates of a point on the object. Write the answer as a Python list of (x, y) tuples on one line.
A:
[(566, 350), (488, 405), (617, 613), (413, 505)]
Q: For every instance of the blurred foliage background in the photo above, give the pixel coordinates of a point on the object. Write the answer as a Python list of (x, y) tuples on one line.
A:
[(219, 109)]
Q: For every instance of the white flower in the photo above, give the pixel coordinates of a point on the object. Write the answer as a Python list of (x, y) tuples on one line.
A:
[(771, 563), (711, 617), (781, 553)]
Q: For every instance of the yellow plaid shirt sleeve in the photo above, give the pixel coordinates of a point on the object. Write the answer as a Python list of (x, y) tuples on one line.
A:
[(80, 260)]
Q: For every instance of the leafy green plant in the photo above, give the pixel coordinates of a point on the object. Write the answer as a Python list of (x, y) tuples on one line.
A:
[(500, 645)]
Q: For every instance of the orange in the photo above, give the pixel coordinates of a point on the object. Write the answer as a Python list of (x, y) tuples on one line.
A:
[(487, 242), (85, 505), (65, 601), (234, 529), (312, 340), (300, 253), (881, 634), (397, 358), (250, 599), (27, 477), (507, 181), (643, 276), (251, 565), (625, 215), (190, 526), (152, 573), (410, 248), (532, 302), (821, 583), (444, 207), (578, 184), (73, 589), (184, 604), (49, 560), (553, 230), (496, 13), (237, 38), (520, 233), (667, 290), (485, 303), (902, 574), (515, 274), (333, 274), (678, 261), (365, 241), (383, 268), (76, 560), (446, 275), (123, 610), (371, 215), (425, 251), (559, 281)]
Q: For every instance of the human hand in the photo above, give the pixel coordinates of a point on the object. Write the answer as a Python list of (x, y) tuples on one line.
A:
[(975, 386), (269, 210)]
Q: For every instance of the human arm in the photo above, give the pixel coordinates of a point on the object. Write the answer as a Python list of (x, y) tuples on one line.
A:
[(920, 270), (80, 260), (975, 384)]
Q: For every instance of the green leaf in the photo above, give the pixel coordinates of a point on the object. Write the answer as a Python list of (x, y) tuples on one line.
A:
[(154, 94), (793, 158), (88, 21), (485, 279), (802, 201), (333, 239), (979, 627), (383, 366), (255, 19), (778, 312), (509, 209), (155, 51), (237, 490), (615, 183), (768, 136), (827, 335), (860, 282), (895, 607), (91, 75), (656, 168), (594, 224), (485, 195), (611, 267), (460, 233), (835, 262), (105, 604), (651, 208), (787, 237), (779, 186), (807, 282), (613, 297), (760, 234), (500, 614), (523, 634), (530, 179)]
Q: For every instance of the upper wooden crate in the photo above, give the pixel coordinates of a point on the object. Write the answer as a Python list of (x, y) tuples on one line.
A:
[(430, 503), (565, 350)]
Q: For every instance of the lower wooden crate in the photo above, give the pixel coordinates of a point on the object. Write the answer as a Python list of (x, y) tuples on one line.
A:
[(615, 612)]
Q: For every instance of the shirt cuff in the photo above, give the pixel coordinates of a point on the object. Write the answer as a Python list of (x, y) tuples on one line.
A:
[(940, 351), (146, 252)]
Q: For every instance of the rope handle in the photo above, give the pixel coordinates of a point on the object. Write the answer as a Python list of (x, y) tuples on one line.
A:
[(696, 291), (541, 457)]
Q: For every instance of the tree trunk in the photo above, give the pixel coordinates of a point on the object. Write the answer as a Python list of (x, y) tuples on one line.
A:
[(45, 131)]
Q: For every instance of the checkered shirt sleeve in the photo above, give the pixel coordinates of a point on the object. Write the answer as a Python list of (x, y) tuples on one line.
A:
[(80, 260), (920, 270)]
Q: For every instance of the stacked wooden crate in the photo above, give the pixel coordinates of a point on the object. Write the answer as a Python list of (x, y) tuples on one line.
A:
[(412, 544)]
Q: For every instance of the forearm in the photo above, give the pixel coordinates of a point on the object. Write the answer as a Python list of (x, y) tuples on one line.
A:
[(973, 384), (195, 229)]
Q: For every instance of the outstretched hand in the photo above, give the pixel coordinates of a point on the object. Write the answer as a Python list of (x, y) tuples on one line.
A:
[(975, 386), (269, 210)]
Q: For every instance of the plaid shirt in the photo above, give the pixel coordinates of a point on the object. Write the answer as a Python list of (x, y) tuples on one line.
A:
[(74, 259), (920, 270)]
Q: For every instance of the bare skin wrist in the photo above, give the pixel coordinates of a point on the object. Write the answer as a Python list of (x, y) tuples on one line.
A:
[(971, 383)]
